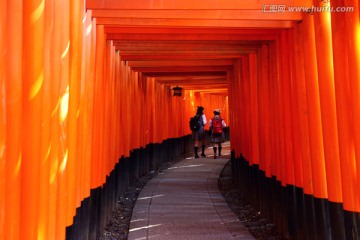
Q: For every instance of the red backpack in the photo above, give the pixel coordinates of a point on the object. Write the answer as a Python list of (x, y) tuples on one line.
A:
[(217, 126)]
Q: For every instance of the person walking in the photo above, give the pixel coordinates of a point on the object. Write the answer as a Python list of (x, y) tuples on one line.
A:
[(216, 125), (198, 133)]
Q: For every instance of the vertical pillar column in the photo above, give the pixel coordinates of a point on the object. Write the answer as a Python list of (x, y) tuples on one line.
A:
[(315, 128), (254, 112), (324, 53), (285, 82), (3, 28), (352, 39), (289, 131), (305, 202), (264, 108), (33, 62), (62, 24), (55, 61), (10, 155), (245, 110), (96, 168)]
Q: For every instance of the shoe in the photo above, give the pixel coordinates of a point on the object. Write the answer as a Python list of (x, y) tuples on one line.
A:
[(196, 156), (203, 155), (215, 156)]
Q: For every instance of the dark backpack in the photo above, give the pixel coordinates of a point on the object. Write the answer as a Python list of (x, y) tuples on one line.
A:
[(217, 126), (195, 123)]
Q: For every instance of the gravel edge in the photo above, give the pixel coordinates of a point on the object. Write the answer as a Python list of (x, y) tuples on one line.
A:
[(118, 226), (260, 227)]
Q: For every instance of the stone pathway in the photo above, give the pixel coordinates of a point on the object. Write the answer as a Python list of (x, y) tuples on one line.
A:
[(184, 202)]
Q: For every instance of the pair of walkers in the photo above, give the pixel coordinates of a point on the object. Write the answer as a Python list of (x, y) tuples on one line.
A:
[(216, 125)]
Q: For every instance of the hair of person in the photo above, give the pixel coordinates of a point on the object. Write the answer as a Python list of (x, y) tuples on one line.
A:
[(199, 110)]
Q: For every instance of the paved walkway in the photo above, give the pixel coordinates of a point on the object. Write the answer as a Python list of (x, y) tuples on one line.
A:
[(184, 202)]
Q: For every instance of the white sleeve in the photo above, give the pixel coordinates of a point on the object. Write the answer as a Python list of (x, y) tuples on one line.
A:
[(210, 123), (223, 124), (204, 119)]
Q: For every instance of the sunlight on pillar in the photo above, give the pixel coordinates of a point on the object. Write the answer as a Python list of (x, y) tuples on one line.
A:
[(88, 29), (48, 153), (41, 231), (326, 15), (357, 46), (35, 88), (38, 12), (64, 105), (2, 151), (53, 170), (56, 108), (64, 162), (66, 51), (17, 168)]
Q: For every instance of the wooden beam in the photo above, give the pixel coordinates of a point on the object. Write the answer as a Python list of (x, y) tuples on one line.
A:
[(170, 56), (190, 31), (189, 69), (193, 82), (186, 74), (220, 91), (195, 23), (186, 37), (223, 14), (190, 78), (185, 46), (203, 87), (180, 63), (190, 4)]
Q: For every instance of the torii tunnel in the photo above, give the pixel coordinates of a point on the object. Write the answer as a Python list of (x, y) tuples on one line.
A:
[(86, 107)]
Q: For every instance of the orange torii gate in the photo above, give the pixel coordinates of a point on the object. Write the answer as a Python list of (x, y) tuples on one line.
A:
[(75, 75)]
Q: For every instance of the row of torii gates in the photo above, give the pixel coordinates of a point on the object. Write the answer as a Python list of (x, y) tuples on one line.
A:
[(86, 86)]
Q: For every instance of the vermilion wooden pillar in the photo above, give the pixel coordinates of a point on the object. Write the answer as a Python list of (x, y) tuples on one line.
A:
[(346, 54), (265, 158), (62, 23), (328, 104), (344, 106), (295, 108), (325, 67), (234, 106), (245, 121), (54, 161), (254, 112), (315, 129), (314, 115), (286, 81), (11, 156), (272, 111), (98, 88), (353, 51), (303, 168), (33, 61), (300, 95), (44, 205), (3, 28)]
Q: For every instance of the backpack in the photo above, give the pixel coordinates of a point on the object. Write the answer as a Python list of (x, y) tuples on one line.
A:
[(195, 123), (217, 126)]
